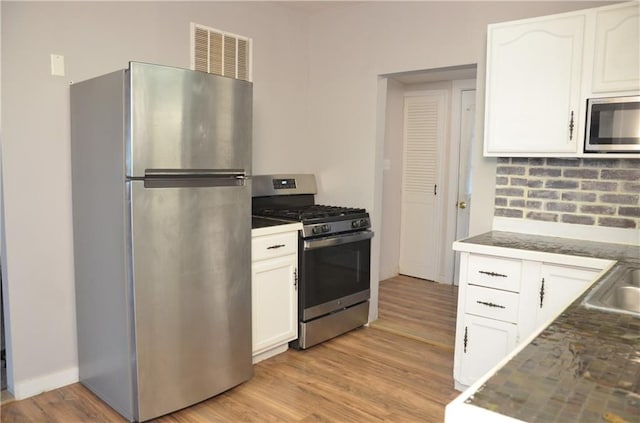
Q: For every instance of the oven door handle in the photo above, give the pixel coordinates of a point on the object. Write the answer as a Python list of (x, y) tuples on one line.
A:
[(331, 241)]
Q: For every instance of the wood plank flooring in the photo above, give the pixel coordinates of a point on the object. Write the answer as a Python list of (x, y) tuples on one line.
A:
[(367, 375), (420, 309)]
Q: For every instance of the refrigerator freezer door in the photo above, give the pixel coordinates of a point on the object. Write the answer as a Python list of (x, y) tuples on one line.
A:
[(182, 119), (192, 292)]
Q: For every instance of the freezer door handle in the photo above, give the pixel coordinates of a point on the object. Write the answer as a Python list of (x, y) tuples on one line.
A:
[(194, 173), (182, 178)]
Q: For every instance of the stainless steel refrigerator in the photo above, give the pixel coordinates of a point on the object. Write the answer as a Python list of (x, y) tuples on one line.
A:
[(161, 163)]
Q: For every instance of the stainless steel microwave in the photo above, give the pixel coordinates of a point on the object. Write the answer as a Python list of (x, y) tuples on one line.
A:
[(613, 125)]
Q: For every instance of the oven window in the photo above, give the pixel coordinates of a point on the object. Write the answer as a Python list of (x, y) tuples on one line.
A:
[(333, 272)]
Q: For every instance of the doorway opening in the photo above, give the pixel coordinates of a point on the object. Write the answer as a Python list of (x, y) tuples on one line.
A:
[(445, 171), (425, 193)]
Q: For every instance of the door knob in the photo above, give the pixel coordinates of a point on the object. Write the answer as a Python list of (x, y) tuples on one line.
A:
[(462, 205)]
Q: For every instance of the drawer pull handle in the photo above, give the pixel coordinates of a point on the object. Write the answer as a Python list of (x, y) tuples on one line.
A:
[(492, 274), (273, 247), (466, 338), (490, 304)]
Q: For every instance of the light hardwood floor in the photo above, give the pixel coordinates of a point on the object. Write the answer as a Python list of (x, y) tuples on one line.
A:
[(367, 375), (421, 309)]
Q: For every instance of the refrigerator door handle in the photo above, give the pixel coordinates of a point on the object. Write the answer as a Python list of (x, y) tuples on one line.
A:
[(184, 178), (195, 173)]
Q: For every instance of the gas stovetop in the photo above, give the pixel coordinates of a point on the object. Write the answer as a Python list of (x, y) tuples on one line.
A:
[(314, 212), (292, 198), (319, 219)]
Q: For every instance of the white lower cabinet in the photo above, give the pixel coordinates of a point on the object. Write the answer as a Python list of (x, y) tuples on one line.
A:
[(502, 300), (556, 287), (483, 344), (274, 293)]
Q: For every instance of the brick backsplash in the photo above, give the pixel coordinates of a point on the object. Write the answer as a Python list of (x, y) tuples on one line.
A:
[(599, 192)]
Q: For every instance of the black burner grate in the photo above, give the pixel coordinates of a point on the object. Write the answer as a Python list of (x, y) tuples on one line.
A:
[(316, 211)]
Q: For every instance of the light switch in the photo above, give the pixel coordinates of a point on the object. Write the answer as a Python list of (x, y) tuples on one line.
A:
[(57, 65)]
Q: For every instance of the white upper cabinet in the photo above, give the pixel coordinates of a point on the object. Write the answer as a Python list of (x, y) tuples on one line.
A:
[(534, 71), (616, 57), (541, 71)]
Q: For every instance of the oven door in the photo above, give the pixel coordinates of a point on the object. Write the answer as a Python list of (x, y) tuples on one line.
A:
[(334, 273)]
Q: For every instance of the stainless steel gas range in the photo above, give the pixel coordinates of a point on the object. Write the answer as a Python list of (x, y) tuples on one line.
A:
[(333, 260)]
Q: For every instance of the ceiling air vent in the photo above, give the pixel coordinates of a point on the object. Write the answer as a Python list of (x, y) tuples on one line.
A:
[(221, 53)]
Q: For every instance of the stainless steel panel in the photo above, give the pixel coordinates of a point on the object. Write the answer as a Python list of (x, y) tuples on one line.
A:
[(192, 293), (263, 185), (350, 224), (182, 119), (103, 313), (329, 306), (332, 325)]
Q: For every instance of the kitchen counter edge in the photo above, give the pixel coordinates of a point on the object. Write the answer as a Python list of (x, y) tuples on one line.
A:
[(276, 229)]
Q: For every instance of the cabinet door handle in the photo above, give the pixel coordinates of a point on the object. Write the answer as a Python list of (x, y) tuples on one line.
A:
[(490, 304), (542, 293), (494, 274), (466, 338), (295, 279), (274, 247), (571, 127)]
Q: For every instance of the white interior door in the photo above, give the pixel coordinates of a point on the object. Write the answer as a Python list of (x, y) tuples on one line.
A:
[(424, 132), (463, 203)]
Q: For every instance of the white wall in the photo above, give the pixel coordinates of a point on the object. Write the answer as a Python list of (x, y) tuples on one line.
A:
[(350, 47), (97, 38), (392, 181)]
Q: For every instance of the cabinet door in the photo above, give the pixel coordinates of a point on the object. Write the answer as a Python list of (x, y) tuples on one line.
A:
[(558, 287), (275, 302), (481, 344), (534, 71), (616, 65)]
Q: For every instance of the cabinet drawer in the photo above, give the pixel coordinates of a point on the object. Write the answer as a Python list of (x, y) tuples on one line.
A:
[(268, 246), (494, 272), (492, 303)]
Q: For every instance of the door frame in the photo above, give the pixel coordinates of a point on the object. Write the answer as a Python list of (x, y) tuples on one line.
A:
[(449, 264)]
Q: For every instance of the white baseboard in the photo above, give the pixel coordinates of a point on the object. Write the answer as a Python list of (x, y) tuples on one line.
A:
[(30, 387), (568, 230), (270, 353)]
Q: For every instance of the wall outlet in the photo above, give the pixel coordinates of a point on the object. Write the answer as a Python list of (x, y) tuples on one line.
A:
[(57, 65)]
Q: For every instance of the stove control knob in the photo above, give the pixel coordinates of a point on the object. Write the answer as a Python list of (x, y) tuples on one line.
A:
[(315, 230), (364, 222), (355, 224), (326, 228)]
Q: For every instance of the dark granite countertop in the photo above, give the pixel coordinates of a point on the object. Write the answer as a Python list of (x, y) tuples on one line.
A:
[(265, 222), (557, 245), (585, 366)]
